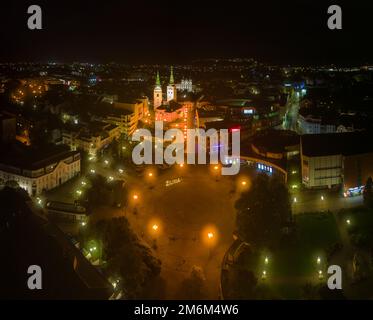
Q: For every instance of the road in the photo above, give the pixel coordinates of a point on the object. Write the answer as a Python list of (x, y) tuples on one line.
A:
[(291, 115)]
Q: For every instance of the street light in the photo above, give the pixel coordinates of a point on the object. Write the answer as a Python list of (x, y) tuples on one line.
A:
[(348, 221), (106, 162), (322, 198), (216, 168), (135, 196), (210, 235), (318, 260), (155, 227), (266, 260), (264, 274), (93, 171), (150, 174), (120, 171), (244, 183), (295, 200), (83, 223)]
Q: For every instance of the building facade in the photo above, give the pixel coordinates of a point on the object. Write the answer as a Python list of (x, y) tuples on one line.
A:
[(42, 174), (338, 160), (171, 88), (91, 141)]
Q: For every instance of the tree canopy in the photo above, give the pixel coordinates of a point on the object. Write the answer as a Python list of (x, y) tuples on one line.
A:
[(263, 211)]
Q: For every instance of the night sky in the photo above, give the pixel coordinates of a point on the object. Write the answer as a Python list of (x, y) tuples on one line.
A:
[(284, 32)]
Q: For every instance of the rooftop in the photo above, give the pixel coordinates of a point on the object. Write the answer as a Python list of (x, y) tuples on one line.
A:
[(18, 155), (348, 143)]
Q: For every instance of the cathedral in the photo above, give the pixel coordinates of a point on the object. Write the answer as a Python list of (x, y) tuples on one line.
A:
[(171, 91)]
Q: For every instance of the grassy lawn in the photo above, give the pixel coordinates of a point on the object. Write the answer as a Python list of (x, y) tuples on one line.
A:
[(295, 263)]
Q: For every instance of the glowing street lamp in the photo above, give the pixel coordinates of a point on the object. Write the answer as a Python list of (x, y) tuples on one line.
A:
[(266, 260), (155, 227), (348, 221), (120, 171), (295, 200), (321, 274), (244, 183), (322, 198), (210, 235), (79, 192), (106, 162), (318, 260), (216, 167), (264, 274), (150, 174), (93, 171), (135, 196), (83, 223)]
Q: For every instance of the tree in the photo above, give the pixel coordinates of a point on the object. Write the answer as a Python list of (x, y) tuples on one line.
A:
[(193, 287), (126, 257), (368, 193), (242, 283), (263, 211)]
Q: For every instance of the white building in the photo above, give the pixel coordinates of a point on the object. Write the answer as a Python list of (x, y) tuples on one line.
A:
[(185, 85), (171, 88), (314, 125), (39, 171)]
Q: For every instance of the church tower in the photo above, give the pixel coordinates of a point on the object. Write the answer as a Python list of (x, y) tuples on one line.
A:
[(171, 88), (157, 93)]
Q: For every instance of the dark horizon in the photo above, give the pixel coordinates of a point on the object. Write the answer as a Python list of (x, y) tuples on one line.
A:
[(164, 32)]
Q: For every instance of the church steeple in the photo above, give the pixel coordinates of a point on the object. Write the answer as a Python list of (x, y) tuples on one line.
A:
[(157, 92), (172, 75), (158, 80)]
